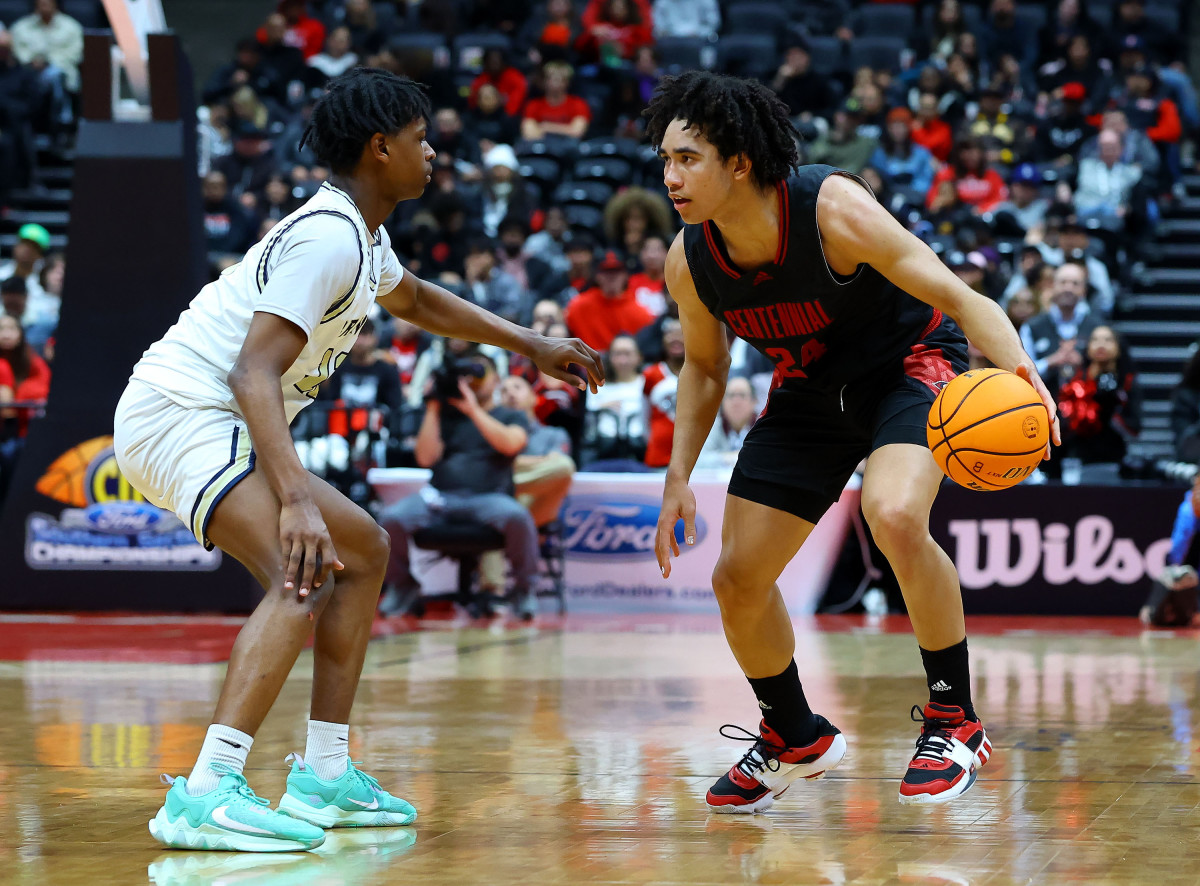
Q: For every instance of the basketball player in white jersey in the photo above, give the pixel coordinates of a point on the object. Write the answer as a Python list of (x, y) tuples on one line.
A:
[(202, 430)]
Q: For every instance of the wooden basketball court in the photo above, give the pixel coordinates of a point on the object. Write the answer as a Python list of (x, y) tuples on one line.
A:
[(578, 751)]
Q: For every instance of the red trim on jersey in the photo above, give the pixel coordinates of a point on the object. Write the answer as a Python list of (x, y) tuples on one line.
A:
[(928, 365), (784, 223), (712, 247), (776, 381), (934, 323)]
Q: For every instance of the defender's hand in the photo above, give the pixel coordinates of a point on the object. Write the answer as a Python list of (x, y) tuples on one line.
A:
[(307, 547), (678, 504), (1027, 372), (554, 356)]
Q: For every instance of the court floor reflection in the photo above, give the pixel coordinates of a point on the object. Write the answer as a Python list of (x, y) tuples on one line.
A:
[(579, 751)]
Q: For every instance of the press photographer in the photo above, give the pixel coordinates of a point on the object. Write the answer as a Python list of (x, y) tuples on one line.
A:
[(471, 445)]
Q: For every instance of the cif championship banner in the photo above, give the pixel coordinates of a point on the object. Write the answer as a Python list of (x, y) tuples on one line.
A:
[(1056, 550), (106, 524), (73, 533), (610, 521)]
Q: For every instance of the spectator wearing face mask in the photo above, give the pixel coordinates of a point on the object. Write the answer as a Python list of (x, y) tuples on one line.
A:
[(505, 192)]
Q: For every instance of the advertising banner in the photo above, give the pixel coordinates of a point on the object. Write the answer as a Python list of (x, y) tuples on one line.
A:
[(1056, 550), (610, 522), (73, 533)]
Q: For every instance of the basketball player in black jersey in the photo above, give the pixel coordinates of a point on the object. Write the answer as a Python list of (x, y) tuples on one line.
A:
[(864, 325)]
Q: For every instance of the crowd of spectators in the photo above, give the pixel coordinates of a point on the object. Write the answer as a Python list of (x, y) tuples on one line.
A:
[(1032, 145), (40, 55)]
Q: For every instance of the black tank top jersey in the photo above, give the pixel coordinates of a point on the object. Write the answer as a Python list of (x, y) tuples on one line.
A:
[(821, 330)]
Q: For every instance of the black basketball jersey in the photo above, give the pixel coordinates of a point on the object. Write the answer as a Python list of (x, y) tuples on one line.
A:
[(821, 330)]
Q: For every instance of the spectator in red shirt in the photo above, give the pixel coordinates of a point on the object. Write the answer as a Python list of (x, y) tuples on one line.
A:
[(303, 31), (649, 283), (930, 130), (557, 112), (600, 314), (551, 34), (977, 185), (27, 373), (510, 82), (613, 30), (662, 382)]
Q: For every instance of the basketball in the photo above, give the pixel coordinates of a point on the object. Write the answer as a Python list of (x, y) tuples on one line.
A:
[(987, 429), (65, 478)]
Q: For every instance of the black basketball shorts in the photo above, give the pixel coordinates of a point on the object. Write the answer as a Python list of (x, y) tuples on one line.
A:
[(803, 450)]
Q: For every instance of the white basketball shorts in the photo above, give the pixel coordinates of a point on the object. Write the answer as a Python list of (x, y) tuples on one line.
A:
[(181, 458)]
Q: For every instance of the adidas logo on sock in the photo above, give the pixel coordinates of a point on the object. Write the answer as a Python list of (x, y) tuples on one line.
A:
[(940, 686)]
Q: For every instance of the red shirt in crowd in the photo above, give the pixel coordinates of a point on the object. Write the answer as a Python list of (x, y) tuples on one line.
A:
[(36, 387), (598, 319), (564, 112), (404, 355), (510, 83), (660, 386), (982, 193), (627, 35), (936, 136), (307, 35), (649, 293)]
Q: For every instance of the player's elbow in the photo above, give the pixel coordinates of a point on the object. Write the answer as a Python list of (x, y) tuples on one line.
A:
[(236, 378), (715, 368)]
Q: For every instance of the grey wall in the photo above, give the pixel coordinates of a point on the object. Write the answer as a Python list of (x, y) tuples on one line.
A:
[(210, 28)]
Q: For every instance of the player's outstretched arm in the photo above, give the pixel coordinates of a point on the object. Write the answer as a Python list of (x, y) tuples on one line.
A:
[(443, 313), (701, 387), (856, 230), (271, 347)]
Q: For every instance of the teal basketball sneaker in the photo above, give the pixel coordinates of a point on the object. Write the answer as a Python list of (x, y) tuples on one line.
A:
[(230, 817), (354, 800)]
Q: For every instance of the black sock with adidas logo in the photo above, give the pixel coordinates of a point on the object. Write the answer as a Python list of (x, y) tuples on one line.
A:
[(948, 673), (784, 707)]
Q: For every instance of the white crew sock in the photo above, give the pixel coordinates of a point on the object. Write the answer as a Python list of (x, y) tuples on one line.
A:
[(328, 749), (224, 745)]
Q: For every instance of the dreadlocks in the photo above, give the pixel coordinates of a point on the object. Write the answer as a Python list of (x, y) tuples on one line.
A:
[(356, 105), (737, 116)]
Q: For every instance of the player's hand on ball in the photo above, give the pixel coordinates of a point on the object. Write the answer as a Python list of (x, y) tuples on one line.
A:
[(678, 504), (555, 356), (307, 548), (1027, 372)]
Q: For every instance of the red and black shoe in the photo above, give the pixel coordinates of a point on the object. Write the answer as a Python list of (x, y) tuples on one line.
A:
[(770, 766), (950, 751)]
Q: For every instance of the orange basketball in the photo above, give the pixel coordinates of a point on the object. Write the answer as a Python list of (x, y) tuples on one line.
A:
[(988, 429), (65, 479)]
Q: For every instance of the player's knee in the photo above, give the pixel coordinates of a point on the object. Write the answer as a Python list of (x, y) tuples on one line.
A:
[(735, 587), (308, 607), (897, 524), (377, 543)]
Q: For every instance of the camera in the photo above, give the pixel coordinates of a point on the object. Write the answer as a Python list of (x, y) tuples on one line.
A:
[(447, 376)]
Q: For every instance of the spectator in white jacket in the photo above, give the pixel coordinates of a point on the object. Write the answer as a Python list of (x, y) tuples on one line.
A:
[(1106, 183)]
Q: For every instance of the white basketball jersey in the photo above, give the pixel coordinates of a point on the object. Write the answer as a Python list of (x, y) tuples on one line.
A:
[(318, 268)]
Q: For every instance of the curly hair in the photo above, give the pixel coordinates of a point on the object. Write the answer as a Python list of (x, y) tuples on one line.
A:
[(737, 116), (356, 105), (654, 206)]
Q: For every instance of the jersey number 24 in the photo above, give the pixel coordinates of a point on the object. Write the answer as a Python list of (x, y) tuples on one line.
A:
[(785, 360)]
